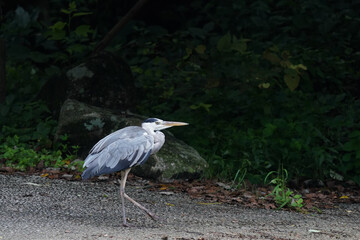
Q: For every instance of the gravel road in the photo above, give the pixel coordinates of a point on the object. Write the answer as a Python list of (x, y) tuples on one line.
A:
[(33, 207)]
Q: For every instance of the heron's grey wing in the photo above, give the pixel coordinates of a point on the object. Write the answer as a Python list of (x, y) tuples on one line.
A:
[(127, 132), (120, 150)]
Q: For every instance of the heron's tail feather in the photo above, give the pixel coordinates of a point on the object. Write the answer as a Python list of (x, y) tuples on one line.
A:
[(91, 167)]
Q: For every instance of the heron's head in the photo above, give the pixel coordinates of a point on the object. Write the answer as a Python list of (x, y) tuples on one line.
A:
[(156, 124)]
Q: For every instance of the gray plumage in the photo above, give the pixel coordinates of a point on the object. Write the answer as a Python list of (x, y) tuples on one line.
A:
[(120, 150), (126, 148)]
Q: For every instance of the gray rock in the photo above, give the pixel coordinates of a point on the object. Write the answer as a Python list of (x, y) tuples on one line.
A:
[(103, 80), (175, 160), (85, 125)]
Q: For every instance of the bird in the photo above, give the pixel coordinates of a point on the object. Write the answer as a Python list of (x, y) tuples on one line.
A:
[(124, 149)]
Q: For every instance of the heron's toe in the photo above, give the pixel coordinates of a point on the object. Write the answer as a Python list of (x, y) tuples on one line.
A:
[(128, 225), (154, 217)]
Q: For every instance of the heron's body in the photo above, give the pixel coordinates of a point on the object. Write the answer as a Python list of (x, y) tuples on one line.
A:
[(126, 148)]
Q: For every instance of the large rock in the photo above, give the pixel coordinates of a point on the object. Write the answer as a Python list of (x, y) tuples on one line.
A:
[(85, 125), (103, 80), (175, 160)]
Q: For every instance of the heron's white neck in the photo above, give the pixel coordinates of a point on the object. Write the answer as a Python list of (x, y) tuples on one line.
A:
[(159, 138), (149, 130)]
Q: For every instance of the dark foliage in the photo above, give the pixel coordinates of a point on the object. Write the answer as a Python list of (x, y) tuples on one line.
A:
[(266, 85)]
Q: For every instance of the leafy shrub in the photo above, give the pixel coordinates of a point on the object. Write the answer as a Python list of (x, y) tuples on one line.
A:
[(34, 53), (30, 120), (264, 84), (22, 156), (251, 109), (350, 161)]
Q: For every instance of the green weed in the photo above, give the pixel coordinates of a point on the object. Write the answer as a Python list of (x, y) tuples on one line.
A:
[(22, 156), (284, 197)]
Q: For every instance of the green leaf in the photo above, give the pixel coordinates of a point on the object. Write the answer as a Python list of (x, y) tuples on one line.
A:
[(357, 156), (200, 49), (72, 6), (76, 48), (65, 11), (355, 134), (264, 85), (82, 14), (269, 130), (39, 57), (57, 35), (224, 43), (347, 158), (298, 66), (58, 26), (4, 110), (83, 30), (297, 196), (201, 105), (336, 176), (188, 53), (272, 57), (292, 81), (349, 146), (239, 45)]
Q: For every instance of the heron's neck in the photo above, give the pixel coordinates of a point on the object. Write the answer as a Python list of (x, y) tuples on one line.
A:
[(159, 139), (150, 131), (158, 135)]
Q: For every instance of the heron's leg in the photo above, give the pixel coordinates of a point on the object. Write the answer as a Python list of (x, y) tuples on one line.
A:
[(152, 215), (124, 175)]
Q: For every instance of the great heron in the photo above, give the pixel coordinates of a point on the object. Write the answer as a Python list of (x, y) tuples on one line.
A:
[(124, 149)]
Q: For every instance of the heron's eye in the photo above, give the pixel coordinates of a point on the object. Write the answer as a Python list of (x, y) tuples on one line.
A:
[(157, 123)]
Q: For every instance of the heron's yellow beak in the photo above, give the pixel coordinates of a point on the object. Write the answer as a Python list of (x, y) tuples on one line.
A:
[(172, 124)]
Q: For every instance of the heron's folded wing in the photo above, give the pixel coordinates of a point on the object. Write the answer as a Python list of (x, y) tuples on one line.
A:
[(131, 132), (126, 151)]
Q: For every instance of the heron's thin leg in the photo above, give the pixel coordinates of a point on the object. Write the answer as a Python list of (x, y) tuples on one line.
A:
[(124, 175), (152, 215)]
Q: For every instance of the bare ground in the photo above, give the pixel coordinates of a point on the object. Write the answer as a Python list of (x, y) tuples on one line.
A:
[(32, 207)]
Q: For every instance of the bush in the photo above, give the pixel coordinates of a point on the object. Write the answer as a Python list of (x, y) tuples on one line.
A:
[(252, 108), (264, 84)]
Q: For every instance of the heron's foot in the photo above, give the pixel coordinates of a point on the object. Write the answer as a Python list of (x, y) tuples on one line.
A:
[(153, 216), (126, 224)]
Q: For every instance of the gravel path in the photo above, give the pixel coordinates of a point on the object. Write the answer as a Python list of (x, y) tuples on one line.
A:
[(38, 208)]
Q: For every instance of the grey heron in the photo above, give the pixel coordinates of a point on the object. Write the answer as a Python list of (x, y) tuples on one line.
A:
[(124, 149)]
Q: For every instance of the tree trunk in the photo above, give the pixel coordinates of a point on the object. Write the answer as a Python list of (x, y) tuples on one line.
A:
[(111, 34)]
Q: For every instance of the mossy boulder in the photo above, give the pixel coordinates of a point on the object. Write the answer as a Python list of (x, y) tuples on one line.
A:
[(175, 160), (85, 125), (103, 80)]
